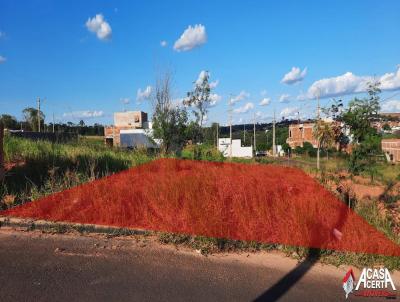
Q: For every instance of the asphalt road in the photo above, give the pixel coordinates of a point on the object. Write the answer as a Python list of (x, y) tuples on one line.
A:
[(39, 267)]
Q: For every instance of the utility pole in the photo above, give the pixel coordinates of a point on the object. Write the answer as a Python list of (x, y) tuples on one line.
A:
[(318, 125), (244, 133), (38, 113), (53, 122), (217, 136), (230, 127), (254, 134), (273, 137)]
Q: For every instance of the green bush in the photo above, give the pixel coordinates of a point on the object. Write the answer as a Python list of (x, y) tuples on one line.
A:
[(202, 152)]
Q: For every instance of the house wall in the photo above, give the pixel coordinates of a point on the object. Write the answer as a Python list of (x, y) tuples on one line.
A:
[(130, 119), (237, 149), (300, 133), (391, 147), (125, 121)]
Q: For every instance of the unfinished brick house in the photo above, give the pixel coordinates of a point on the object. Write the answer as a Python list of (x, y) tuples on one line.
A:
[(391, 148), (301, 133), (124, 121)]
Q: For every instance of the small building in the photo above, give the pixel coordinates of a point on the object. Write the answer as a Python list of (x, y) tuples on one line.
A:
[(236, 150), (131, 129), (391, 148), (301, 133)]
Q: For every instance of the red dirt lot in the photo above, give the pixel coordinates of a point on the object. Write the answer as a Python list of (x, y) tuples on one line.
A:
[(265, 203)]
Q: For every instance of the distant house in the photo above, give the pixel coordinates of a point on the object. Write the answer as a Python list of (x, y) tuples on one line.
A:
[(131, 129), (391, 148), (300, 133), (234, 150)]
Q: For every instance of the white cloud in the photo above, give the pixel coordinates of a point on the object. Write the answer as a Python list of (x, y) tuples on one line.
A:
[(390, 81), (391, 106), (214, 84), (84, 114), (2, 59), (289, 112), (265, 102), (214, 99), (284, 98), (192, 37), (100, 27), (349, 83), (201, 77), (163, 43), (295, 75), (240, 97), (126, 101), (263, 92), (262, 117), (144, 94), (245, 108)]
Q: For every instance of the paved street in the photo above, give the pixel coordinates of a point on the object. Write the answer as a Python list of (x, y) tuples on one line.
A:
[(41, 267)]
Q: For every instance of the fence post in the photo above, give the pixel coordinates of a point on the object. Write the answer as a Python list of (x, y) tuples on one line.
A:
[(1, 152)]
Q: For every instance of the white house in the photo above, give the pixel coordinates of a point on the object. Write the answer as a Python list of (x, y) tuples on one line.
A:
[(224, 146)]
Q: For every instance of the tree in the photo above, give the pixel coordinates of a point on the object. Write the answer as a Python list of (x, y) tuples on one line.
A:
[(386, 127), (362, 112), (31, 117), (199, 98), (359, 116), (324, 134), (169, 121), (81, 123), (9, 121)]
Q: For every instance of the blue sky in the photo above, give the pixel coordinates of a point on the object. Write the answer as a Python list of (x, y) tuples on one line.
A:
[(85, 66)]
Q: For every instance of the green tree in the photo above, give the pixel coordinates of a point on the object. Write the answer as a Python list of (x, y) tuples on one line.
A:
[(366, 144), (362, 112), (169, 121), (324, 134), (31, 117), (199, 99), (8, 121)]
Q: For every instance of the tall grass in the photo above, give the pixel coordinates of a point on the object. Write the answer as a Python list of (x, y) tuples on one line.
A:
[(40, 168)]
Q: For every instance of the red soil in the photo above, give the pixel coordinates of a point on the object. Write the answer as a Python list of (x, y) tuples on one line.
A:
[(266, 203)]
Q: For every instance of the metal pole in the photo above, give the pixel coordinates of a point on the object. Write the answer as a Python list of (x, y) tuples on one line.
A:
[(38, 114), (318, 125), (273, 137), (230, 128), (254, 130)]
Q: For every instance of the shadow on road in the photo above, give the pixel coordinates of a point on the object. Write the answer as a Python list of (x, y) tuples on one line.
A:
[(284, 284), (275, 292)]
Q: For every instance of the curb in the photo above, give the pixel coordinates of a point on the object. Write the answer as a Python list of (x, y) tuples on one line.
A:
[(63, 227)]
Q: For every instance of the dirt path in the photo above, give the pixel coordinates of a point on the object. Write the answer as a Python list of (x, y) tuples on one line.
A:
[(68, 267)]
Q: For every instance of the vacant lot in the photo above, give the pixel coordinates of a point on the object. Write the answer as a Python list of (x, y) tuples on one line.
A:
[(265, 203)]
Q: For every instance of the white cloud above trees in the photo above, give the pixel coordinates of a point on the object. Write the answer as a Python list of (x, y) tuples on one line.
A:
[(192, 37), (245, 108), (349, 83), (265, 102), (295, 75), (145, 94), (100, 27)]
